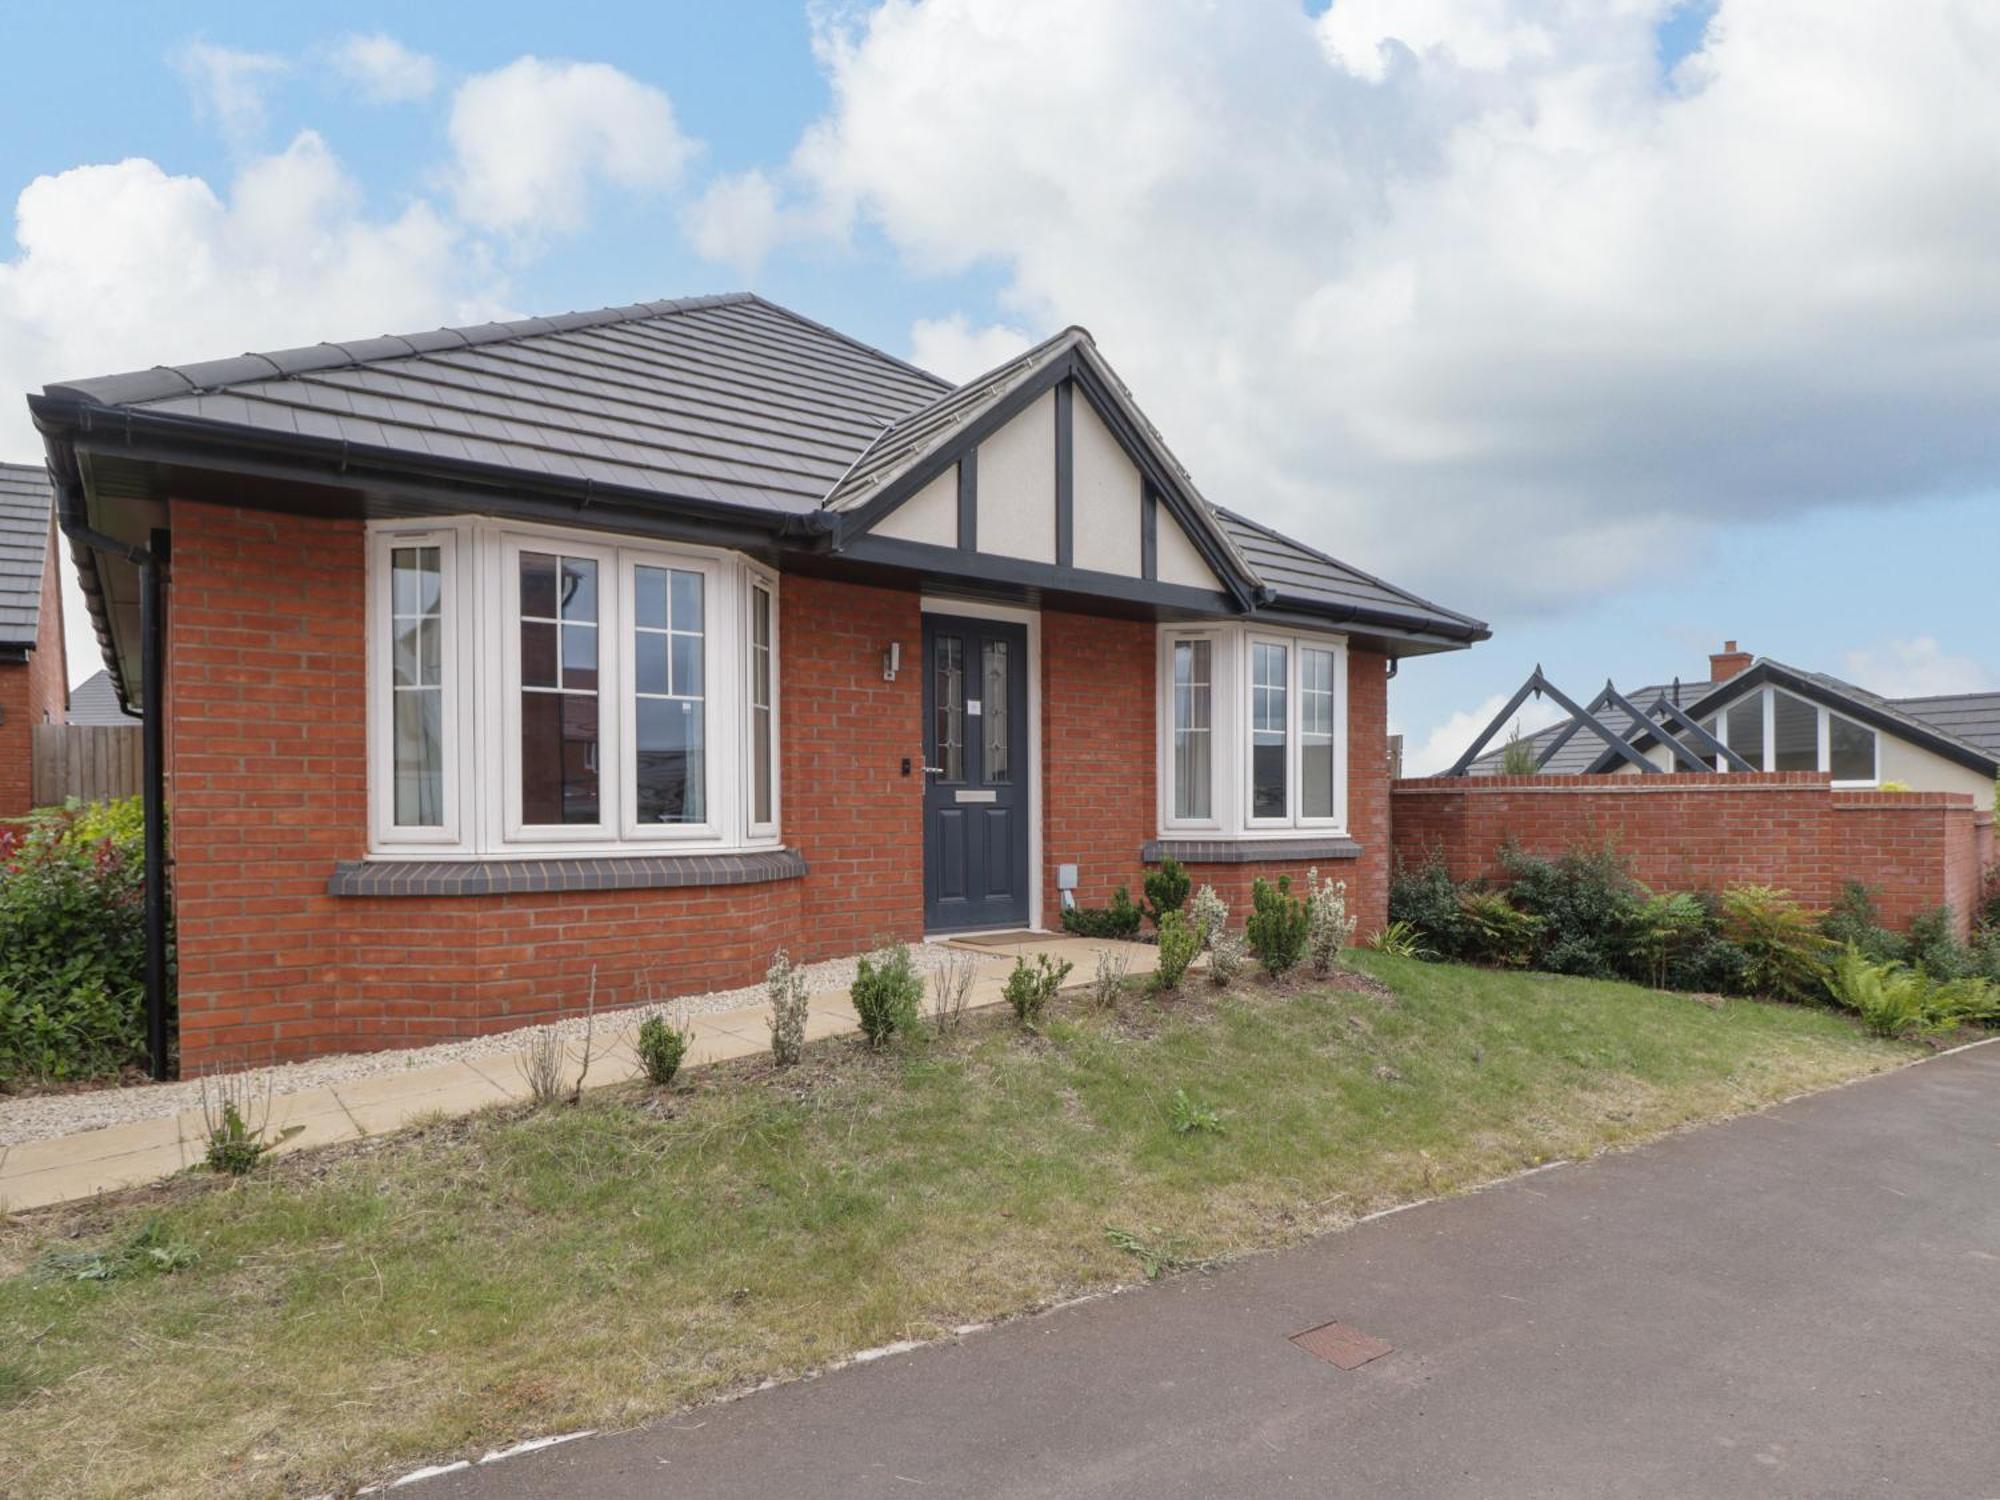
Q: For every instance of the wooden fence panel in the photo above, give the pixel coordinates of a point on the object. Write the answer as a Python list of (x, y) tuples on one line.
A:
[(90, 762)]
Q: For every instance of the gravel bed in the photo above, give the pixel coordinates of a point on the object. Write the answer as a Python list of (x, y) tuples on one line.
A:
[(44, 1116)]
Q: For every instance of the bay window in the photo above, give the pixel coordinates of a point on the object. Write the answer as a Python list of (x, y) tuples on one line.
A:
[(1253, 732), (543, 692)]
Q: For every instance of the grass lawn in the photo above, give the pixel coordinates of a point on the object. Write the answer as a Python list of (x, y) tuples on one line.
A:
[(351, 1313)]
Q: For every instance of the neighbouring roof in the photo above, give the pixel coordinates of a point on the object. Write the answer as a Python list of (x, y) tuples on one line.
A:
[(25, 497), (1961, 727), (727, 399), (95, 701)]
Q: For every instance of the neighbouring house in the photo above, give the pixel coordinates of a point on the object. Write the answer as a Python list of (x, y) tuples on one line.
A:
[(33, 676), (1780, 718), (93, 703), (651, 640)]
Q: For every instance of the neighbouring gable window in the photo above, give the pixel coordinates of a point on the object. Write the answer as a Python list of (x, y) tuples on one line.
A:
[(553, 692), (1253, 731), (1779, 731)]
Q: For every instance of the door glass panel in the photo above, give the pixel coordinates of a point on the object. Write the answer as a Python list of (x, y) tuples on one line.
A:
[(1852, 750), (994, 709), (1269, 725), (670, 782), (1795, 733), (558, 688), (417, 686), (1193, 703), (1745, 721), (1316, 749), (950, 706)]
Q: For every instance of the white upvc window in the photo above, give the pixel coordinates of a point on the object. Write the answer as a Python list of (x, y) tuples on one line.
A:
[(1253, 731), (539, 691), (1775, 730)]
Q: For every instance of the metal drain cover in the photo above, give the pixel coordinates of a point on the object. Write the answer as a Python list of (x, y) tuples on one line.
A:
[(1337, 1344)]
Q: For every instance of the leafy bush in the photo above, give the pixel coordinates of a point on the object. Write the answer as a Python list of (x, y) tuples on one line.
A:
[(1853, 922), (1988, 914), (1328, 926), (1892, 999), (1180, 945), (1401, 940), (1226, 958), (1118, 920), (1784, 952), (1426, 900), (1277, 925), (1664, 928), (73, 943), (1210, 915), (1517, 758), (1029, 991), (1495, 932), (887, 994), (1587, 904), (785, 983), (662, 1045), (1933, 945), (1166, 889)]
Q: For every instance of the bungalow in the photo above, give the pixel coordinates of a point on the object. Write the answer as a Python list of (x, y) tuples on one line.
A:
[(1772, 717), (33, 678), (651, 640)]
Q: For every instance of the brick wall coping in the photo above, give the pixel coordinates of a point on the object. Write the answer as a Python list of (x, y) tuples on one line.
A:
[(1245, 851), (499, 877), (1665, 781)]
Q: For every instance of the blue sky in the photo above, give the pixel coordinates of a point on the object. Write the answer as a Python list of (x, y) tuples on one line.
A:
[(1608, 363)]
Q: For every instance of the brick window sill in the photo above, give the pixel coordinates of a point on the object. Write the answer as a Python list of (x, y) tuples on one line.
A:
[(1246, 851), (505, 877)]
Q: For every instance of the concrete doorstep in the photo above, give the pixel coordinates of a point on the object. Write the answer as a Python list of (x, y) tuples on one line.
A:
[(62, 1169)]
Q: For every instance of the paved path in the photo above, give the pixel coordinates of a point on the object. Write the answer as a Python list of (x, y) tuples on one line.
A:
[(64, 1168), (1800, 1303)]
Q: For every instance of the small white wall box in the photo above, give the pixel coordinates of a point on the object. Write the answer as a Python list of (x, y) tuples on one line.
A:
[(1066, 883), (892, 660)]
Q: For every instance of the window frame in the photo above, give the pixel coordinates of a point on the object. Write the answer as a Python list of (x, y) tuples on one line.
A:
[(1246, 734), (480, 649), (1767, 693), (1219, 748)]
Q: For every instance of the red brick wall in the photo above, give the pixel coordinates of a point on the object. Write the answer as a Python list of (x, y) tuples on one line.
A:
[(1698, 832), (34, 692), (267, 724)]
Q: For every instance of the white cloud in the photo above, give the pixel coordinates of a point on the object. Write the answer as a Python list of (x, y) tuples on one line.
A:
[(736, 221), (533, 137), (1463, 289), (953, 348), (1917, 667), (230, 86), (1446, 742), (382, 69)]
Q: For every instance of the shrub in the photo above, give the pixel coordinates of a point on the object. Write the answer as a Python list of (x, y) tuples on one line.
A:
[(1933, 946), (1495, 932), (1118, 920), (1180, 944), (887, 993), (1892, 999), (1029, 991), (1109, 982), (1663, 928), (1401, 940), (1210, 915), (1784, 952), (1166, 889), (785, 983), (1853, 922), (1586, 903), (1226, 958), (662, 1045), (1988, 915), (1277, 928), (73, 943), (1518, 758), (1426, 899), (1328, 926)]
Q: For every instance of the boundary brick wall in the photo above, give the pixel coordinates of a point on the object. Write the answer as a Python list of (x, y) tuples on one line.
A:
[(1684, 831), (33, 692)]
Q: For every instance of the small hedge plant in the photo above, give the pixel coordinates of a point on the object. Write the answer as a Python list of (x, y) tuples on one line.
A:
[(1029, 990), (1278, 926), (1166, 889), (1180, 945), (888, 995), (662, 1046), (1118, 920)]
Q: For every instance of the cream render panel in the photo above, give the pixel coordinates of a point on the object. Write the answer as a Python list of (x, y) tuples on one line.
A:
[(930, 515), (1178, 561), (1921, 771), (1017, 485), (1107, 493)]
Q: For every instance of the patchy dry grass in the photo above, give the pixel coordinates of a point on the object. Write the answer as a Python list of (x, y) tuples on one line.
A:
[(357, 1311)]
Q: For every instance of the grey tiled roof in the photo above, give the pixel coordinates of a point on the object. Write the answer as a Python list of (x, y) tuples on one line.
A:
[(25, 496), (95, 701), (1303, 575), (729, 399), (1972, 717)]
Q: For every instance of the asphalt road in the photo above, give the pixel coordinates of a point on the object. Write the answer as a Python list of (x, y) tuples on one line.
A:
[(1804, 1302)]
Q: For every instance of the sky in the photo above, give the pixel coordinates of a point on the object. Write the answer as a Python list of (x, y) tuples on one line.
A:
[(1626, 326)]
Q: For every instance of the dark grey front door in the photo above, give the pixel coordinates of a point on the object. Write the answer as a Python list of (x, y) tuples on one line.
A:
[(976, 773)]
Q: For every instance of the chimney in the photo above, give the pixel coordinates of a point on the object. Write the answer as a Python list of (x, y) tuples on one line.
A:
[(1728, 662)]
